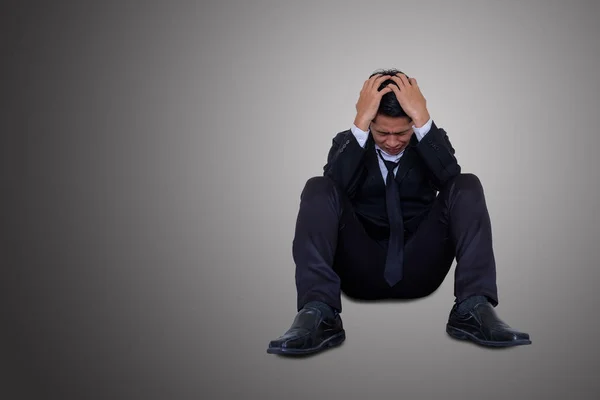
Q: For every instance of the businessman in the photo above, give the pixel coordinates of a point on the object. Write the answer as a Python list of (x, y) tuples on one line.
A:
[(386, 220)]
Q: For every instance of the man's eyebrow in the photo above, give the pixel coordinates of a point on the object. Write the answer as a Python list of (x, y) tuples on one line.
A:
[(392, 133)]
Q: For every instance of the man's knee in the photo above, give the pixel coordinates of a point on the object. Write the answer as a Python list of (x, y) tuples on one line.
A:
[(318, 185), (467, 181), (465, 184)]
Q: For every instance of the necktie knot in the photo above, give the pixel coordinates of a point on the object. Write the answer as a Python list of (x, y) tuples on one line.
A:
[(389, 165)]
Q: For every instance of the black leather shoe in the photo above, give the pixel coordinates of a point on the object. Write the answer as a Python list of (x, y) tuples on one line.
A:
[(310, 333), (482, 326)]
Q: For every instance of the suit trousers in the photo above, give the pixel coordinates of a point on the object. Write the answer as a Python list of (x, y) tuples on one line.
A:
[(334, 254)]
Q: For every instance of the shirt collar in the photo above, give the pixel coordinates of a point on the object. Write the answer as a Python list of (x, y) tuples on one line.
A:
[(389, 157)]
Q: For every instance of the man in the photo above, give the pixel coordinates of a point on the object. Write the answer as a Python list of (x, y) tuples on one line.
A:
[(386, 220)]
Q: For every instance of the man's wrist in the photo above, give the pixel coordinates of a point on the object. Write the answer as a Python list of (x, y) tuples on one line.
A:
[(420, 132), (420, 120), (360, 135), (361, 124)]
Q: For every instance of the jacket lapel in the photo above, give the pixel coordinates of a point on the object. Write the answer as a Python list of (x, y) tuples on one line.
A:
[(372, 163), (407, 161)]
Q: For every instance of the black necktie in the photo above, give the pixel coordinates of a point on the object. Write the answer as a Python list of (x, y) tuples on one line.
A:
[(395, 253)]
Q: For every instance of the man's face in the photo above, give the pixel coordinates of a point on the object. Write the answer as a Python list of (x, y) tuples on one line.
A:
[(392, 134)]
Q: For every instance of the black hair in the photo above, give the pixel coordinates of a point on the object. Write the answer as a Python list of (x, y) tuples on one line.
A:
[(389, 103)]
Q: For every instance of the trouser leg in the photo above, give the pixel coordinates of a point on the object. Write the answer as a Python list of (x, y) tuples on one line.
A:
[(329, 244), (457, 227)]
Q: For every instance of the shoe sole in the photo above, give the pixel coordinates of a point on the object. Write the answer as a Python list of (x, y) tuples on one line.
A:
[(333, 341), (462, 335)]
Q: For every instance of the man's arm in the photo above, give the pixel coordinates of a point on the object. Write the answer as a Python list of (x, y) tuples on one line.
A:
[(436, 150), (346, 155), (434, 146), (344, 162)]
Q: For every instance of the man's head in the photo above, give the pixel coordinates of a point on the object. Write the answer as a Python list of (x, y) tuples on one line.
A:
[(391, 128)]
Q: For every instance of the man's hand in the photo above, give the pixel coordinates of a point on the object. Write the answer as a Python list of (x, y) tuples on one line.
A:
[(411, 99), (369, 99)]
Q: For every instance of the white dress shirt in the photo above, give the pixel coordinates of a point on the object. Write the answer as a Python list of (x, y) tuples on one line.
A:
[(362, 136)]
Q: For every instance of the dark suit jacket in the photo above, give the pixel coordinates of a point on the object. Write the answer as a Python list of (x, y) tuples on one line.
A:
[(424, 168)]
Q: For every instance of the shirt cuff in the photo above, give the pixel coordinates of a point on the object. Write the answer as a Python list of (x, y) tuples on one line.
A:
[(422, 131), (360, 135)]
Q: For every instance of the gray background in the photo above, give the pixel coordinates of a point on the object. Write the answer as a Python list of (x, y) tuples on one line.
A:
[(152, 158)]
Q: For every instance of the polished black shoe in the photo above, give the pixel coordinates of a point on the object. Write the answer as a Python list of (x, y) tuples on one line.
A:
[(310, 333), (482, 326)]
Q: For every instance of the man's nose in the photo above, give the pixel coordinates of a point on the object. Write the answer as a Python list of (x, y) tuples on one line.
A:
[(394, 141)]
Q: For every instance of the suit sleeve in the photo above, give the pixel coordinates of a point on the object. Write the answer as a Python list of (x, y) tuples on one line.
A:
[(344, 162), (437, 152)]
